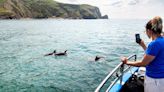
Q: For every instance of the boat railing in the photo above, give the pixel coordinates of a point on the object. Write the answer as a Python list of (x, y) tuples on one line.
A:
[(118, 72)]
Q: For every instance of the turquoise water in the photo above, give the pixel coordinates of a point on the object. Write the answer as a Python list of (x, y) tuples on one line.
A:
[(23, 43)]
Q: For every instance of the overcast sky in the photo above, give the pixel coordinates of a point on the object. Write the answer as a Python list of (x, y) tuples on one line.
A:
[(138, 9)]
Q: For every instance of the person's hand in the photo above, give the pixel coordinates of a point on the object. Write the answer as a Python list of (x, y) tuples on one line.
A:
[(124, 60), (142, 44)]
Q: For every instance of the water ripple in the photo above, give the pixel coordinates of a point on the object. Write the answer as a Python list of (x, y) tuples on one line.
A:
[(23, 66)]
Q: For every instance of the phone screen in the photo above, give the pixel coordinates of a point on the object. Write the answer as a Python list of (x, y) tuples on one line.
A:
[(138, 39)]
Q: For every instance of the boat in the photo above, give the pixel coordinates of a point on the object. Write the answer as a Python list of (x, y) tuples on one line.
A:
[(123, 78)]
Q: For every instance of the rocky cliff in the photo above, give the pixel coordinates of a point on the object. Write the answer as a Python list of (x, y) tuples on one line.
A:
[(16, 9)]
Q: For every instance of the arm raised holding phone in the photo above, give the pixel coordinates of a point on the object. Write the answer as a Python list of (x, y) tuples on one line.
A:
[(140, 41)]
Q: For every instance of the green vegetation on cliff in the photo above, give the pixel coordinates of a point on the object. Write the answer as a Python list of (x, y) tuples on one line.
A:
[(10, 9)]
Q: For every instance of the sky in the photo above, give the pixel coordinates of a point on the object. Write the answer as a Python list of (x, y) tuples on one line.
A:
[(125, 9)]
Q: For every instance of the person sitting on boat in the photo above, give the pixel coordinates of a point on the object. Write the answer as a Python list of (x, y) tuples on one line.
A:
[(61, 53), (153, 58), (50, 53)]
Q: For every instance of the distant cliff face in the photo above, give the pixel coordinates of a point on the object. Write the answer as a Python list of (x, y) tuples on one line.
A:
[(16, 9)]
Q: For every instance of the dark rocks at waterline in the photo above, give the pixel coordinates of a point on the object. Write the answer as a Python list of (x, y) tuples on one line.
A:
[(105, 17)]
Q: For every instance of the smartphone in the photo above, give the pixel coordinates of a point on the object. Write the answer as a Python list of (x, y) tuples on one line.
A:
[(138, 39)]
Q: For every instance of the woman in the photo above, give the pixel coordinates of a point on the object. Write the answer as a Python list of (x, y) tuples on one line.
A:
[(153, 59)]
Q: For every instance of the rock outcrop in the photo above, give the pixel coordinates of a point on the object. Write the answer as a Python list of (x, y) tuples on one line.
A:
[(16, 9)]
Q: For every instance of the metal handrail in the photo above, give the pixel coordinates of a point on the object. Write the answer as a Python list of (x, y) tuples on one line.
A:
[(112, 72)]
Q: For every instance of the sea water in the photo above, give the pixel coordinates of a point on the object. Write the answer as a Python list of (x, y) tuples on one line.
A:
[(23, 44)]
